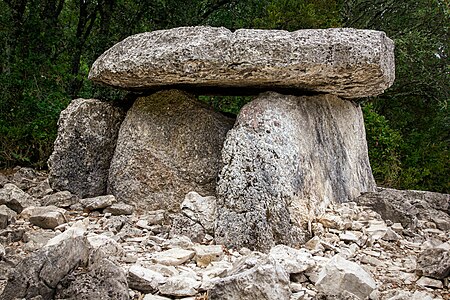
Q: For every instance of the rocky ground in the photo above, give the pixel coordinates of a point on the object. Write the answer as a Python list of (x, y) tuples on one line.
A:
[(57, 246)]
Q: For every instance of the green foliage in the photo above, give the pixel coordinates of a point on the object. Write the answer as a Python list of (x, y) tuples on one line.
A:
[(384, 147), (294, 15), (227, 104), (416, 106)]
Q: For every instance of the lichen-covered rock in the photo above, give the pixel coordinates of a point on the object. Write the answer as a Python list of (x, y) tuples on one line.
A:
[(434, 262), (87, 133), (343, 61), (104, 280), (285, 160), (342, 276), (200, 209), (169, 144), (252, 277), (7, 216), (48, 218), (15, 198), (144, 280), (40, 273), (407, 206), (98, 202)]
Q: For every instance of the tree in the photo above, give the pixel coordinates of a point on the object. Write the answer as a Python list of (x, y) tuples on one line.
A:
[(417, 104)]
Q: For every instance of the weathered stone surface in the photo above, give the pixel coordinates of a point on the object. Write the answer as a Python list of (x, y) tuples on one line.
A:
[(98, 202), (104, 280), (205, 254), (182, 225), (155, 297), (41, 190), (40, 273), (144, 280), (292, 260), (252, 277), (180, 286), (285, 160), (7, 216), (429, 282), (200, 209), (87, 133), (340, 275), (104, 244), (434, 262), (15, 198), (173, 257), (346, 62), (60, 199), (169, 144), (118, 209), (47, 219), (407, 206)]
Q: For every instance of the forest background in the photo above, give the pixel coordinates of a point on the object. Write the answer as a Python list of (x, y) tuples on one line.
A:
[(48, 46)]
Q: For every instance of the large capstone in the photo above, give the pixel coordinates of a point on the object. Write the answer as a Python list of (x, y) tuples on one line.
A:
[(87, 134), (347, 62), (285, 160), (169, 144)]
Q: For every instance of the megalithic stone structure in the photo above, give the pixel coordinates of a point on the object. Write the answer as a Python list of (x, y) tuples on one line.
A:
[(298, 146), (346, 62)]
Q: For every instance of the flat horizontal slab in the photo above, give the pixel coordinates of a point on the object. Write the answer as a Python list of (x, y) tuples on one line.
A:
[(346, 62)]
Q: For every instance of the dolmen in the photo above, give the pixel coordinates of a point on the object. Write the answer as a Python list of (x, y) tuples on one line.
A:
[(298, 146)]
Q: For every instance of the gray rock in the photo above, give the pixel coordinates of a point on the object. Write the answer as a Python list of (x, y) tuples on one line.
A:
[(343, 61), (434, 262), (41, 190), (182, 225), (180, 286), (407, 206), (98, 202), (26, 178), (2, 251), (37, 240), (61, 199), (340, 275), (87, 133), (155, 297), (104, 280), (106, 245), (285, 160), (200, 209), (169, 144), (3, 180), (253, 277), (156, 217), (173, 257), (118, 209), (205, 254), (48, 219), (144, 280), (7, 216), (429, 282), (292, 260), (40, 273), (15, 198)]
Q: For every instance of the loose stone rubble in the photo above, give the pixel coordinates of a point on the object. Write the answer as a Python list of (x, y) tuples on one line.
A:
[(342, 61), (94, 254)]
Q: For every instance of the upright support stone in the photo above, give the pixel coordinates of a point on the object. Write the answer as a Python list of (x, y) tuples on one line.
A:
[(285, 160), (87, 134), (169, 144)]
